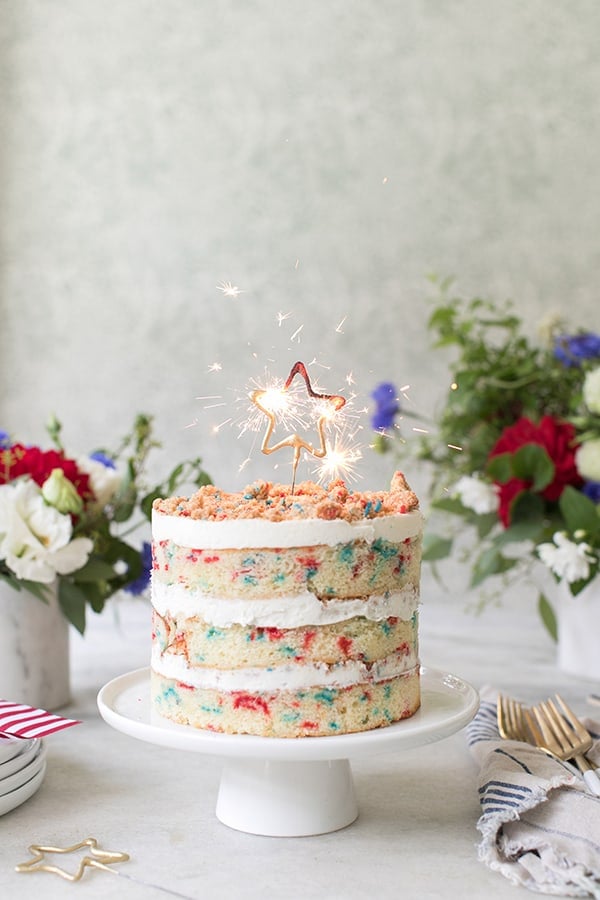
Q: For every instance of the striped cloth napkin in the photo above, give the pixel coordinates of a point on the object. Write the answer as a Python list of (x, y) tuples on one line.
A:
[(540, 827), (19, 720)]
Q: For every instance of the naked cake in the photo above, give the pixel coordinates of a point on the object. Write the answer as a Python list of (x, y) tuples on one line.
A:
[(286, 615)]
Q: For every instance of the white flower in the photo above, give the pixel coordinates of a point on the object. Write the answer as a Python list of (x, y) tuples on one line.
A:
[(475, 494), (35, 539), (104, 480), (567, 559), (587, 460), (591, 390)]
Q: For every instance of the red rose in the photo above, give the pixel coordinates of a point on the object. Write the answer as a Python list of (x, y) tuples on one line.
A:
[(559, 441), (19, 460)]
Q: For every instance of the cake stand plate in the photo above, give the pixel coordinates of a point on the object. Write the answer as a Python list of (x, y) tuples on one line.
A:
[(289, 786)]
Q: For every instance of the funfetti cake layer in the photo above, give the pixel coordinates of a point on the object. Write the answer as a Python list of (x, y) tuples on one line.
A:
[(286, 615)]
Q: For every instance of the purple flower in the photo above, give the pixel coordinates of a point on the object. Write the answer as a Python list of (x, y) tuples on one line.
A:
[(387, 406), (104, 459), (5, 440), (139, 585), (591, 489), (571, 349)]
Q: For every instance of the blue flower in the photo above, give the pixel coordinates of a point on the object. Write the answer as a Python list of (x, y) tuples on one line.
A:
[(5, 440), (102, 458), (591, 489), (387, 406), (139, 585), (571, 349)]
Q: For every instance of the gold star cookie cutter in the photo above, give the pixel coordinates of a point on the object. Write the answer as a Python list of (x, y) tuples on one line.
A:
[(334, 401), (96, 859)]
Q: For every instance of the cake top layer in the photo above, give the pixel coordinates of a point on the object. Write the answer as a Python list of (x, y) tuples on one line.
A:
[(276, 503)]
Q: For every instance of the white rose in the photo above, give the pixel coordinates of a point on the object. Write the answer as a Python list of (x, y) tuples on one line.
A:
[(587, 460), (567, 559), (591, 390), (475, 494), (104, 480), (35, 539)]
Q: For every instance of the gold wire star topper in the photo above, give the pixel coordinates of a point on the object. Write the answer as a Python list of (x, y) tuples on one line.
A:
[(97, 859), (271, 402)]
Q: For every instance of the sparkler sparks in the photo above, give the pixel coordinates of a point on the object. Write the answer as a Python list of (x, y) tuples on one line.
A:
[(229, 289), (340, 462)]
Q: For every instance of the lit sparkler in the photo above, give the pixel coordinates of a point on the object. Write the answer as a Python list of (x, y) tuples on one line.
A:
[(273, 402)]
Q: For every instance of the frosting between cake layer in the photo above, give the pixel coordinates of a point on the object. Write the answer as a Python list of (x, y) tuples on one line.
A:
[(282, 611), (283, 678), (233, 534)]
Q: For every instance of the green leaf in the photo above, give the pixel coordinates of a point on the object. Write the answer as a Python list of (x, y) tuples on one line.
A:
[(125, 501), (202, 479), (490, 562), (147, 501), (527, 507), (96, 594), (579, 511), (499, 468), (485, 523), (436, 547), (94, 570), (548, 616), (531, 463), (72, 601), (529, 529), (451, 505), (41, 591), (174, 477), (124, 553)]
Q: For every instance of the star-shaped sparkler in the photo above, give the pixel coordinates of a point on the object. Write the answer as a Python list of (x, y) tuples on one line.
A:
[(97, 859), (270, 406)]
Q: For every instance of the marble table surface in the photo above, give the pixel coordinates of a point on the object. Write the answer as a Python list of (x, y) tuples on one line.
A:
[(415, 835)]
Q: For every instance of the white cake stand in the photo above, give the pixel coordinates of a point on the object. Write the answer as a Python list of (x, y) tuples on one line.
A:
[(289, 786)]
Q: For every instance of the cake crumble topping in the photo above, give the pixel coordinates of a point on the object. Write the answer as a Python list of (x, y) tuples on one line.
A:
[(275, 502)]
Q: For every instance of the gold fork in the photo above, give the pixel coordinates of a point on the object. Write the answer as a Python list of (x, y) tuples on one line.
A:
[(563, 736), (511, 722)]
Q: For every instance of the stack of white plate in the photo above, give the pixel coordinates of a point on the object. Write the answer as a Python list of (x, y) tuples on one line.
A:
[(22, 770)]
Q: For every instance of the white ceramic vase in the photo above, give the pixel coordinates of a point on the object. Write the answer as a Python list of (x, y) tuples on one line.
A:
[(579, 631), (34, 649)]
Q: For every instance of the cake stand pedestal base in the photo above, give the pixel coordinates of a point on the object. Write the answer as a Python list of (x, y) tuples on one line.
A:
[(289, 787), (286, 799)]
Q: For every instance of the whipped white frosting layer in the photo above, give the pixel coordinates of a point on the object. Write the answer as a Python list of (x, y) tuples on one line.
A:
[(279, 612), (283, 678), (234, 534)]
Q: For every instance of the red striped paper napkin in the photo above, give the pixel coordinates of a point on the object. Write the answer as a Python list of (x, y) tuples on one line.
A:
[(22, 721)]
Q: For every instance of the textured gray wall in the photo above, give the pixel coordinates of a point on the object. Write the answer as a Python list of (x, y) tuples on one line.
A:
[(322, 156)]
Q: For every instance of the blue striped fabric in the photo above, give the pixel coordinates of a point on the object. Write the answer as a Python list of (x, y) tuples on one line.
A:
[(539, 826)]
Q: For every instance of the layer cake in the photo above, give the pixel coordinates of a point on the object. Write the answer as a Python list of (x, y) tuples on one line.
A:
[(286, 615)]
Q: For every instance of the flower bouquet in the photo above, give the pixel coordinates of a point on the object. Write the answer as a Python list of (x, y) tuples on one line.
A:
[(69, 519), (515, 452)]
